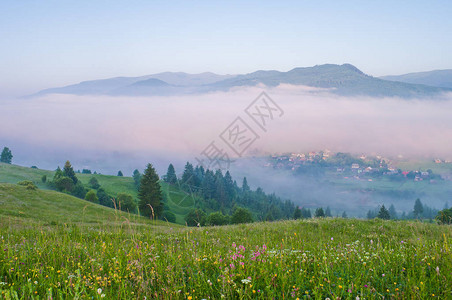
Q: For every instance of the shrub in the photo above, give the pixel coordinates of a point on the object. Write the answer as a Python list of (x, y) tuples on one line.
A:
[(169, 216), (241, 215), (126, 202), (195, 217), (445, 216), (92, 197), (217, 218), (28, 184)]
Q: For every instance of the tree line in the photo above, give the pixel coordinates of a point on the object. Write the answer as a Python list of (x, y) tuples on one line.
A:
[(221, 200)]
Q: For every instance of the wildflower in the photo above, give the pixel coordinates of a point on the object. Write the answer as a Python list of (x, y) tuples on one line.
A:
[(99, 291), (102, 296), (246, 281), (437, 270)]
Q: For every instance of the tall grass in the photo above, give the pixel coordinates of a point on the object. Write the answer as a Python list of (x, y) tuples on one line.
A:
[(332, 258)]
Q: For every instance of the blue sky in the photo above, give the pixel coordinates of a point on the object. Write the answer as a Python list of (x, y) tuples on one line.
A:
[(52, 43)]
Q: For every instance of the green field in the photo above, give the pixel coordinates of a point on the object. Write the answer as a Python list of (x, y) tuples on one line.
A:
[(178, 201), (54, 246)]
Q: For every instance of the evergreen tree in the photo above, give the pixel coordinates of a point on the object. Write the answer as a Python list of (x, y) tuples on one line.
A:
[(150, 194), (220, 190), (319, 213), (306, 213), (120, 173), (171, 177), (6, 156), (328, 212), (68, 171), (94, 183), (392, 212), (104, 198), (137, 178), (229, 186), (344, 215), (383, 213), (245, 186), (79, 190), (188, 177), (208, 185), (58, 174), (418, 208), (297, 213)]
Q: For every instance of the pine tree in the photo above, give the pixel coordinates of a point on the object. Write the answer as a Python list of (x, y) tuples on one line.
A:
[(58, 174), (418, 208), (392, 212), (229, 186), (150, 194), (188, 177), (297, 213), (171, 177), (328, 212), (137, 178), (245, 186), (6, 156), (344, 215), (319, 213), (383, 213), (120, 173), (68, 171)]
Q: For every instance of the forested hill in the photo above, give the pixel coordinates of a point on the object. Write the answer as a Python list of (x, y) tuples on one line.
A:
[(198, 197)]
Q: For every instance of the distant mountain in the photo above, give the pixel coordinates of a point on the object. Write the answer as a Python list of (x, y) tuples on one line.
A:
[(343, 79), (161, 83), (438, 78)]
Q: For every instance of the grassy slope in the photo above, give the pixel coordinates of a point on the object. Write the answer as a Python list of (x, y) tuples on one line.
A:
[(44, 207), (179, 202)]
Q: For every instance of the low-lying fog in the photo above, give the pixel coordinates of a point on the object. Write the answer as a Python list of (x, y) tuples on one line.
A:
[(108, 134)]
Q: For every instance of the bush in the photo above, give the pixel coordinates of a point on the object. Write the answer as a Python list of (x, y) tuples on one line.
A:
[(44, 178), (91, 197), (79, 190), (169, 216), (126, 202), (217, 218), (64, 183), (445, 216), (195, 217), (241, 215), (94, 183), (28, 184)]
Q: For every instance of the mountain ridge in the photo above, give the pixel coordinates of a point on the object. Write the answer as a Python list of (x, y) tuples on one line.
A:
[(345, 79)]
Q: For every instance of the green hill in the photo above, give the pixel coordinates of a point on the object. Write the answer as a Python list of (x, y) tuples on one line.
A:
[(178, 201), (45, 207)]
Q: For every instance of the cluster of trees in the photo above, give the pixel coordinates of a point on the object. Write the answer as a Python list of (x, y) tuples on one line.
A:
[(6, 156), (305, 213), (420, 211), (66, 181), (198, 217), (218, 192)]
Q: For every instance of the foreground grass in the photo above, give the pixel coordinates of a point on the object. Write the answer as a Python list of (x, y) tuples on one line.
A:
[(333, 258)]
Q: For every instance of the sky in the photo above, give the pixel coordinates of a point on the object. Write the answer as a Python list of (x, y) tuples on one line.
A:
[(54, 43)]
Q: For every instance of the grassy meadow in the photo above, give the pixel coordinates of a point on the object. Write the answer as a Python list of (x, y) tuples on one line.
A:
[(54, 246), (179, 202)]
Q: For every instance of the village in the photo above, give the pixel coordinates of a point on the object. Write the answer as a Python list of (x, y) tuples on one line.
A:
[(348, 166)]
